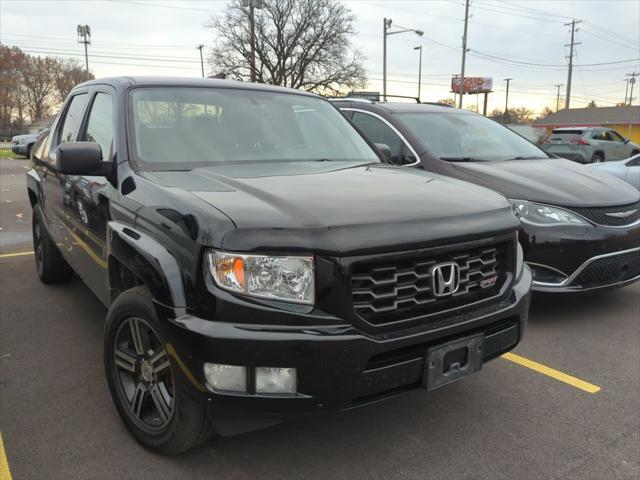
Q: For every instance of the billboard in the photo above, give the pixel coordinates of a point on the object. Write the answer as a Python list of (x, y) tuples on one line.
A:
[(472, 84)]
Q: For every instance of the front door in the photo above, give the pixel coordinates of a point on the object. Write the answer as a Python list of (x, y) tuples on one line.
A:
[(88, 197)]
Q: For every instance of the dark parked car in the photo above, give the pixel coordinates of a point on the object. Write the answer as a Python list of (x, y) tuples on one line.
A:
[(588, 145), (580, 229), (23, 144), (258, 260)]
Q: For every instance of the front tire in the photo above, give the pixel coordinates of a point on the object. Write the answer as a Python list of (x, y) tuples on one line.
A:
[(50, 265), (159, 406)]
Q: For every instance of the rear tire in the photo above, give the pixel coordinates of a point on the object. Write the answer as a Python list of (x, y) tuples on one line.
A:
[(597, 158), (161, 408), (50, 265)]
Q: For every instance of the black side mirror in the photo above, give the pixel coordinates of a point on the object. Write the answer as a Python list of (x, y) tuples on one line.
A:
[(79, 158), (384, 151)]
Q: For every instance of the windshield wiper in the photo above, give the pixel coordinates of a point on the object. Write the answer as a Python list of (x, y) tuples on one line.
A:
[(528, 158), (460, 159)]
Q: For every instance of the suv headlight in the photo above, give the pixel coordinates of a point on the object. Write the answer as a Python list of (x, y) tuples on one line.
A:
[(544, 215), (288, 278)]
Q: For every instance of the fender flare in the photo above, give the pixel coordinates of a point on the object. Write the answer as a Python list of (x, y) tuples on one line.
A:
[(149, 261)]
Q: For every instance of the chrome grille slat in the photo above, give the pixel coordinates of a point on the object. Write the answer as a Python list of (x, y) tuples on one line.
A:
[(384, 291)]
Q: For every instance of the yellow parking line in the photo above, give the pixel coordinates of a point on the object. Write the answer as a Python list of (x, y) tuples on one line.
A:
[(550, 372), (17, 254), (5, 473)]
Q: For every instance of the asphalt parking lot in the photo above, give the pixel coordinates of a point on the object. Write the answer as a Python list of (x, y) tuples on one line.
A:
[(515, 419)]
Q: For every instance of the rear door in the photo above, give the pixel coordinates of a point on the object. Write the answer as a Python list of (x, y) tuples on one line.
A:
[(619, 147)]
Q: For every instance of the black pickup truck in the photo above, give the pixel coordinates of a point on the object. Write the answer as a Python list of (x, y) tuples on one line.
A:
[(258, 258)]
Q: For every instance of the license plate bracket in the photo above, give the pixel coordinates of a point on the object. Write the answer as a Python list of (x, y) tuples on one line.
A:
[(452, 361)]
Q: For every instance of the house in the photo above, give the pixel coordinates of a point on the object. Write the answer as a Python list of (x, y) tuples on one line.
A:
[(625, 120)]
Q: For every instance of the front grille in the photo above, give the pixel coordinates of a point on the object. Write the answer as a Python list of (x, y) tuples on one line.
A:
[(609, 270), (398, 287), (599, 214)]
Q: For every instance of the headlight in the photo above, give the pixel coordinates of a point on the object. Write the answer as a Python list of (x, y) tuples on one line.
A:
[(544, 215), (278, 277)]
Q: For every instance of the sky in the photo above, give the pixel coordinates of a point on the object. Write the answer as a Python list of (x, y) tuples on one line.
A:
[(522, 40)]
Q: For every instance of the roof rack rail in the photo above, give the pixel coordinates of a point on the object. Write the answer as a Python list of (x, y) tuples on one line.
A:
[(404, 96), (350, 99), (439, 104)]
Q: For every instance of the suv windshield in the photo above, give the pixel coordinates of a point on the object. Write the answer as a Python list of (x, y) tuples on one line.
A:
[(460, 136), (177, 128)]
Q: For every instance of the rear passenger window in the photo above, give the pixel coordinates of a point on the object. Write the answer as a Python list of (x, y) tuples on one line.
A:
[(100, 124), (72, 119)]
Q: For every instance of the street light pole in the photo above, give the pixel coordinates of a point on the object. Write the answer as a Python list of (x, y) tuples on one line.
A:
[(386, 25), (419, 69), (200, 47), (253, 5)]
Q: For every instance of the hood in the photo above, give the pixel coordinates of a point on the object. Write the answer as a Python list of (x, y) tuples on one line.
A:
[(553, 181), (312, 201), (27, 136)]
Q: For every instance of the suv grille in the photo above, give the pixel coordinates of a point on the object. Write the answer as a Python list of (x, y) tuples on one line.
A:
[(398, 287), (609, 270), (599, 214)]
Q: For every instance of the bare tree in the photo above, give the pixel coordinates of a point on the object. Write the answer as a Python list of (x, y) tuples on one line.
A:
[(299, 43), (69, 73), (12, 95), (38, 81)]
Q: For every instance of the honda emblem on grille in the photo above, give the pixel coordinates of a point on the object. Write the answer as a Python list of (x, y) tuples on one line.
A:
[(622, 214), (445, 279)]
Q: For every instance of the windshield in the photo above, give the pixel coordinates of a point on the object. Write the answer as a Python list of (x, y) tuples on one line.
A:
[(459, 136), (184, 128)]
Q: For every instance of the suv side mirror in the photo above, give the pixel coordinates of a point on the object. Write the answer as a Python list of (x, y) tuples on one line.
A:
[(384, 151), (626, 140), (79, 158)]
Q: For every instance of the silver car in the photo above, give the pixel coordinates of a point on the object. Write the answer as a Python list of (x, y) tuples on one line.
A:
[(588, 145), (627, 169)]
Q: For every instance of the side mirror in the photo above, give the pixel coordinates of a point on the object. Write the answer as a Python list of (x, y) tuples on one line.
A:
[(384, 151), (79, 158), (626, 141)]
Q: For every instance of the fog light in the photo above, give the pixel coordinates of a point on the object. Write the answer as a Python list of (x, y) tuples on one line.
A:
[(276, 380), (229, 378)]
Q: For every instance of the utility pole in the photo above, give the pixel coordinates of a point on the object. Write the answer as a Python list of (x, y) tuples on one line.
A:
[(558, 95), (632, 81), (200, 47), (573, 24), (84, 31), (626, 90), (506, 98), (419, 69), (386, 26), (464, 52)]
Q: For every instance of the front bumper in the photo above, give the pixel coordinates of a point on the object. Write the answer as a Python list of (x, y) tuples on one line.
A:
[(338, 366), (19, 148), (581, 258)]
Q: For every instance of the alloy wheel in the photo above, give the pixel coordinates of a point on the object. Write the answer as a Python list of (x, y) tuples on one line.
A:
[(143, 375)]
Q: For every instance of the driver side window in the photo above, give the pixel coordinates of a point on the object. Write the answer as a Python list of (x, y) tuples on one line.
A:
[(378, 131)]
